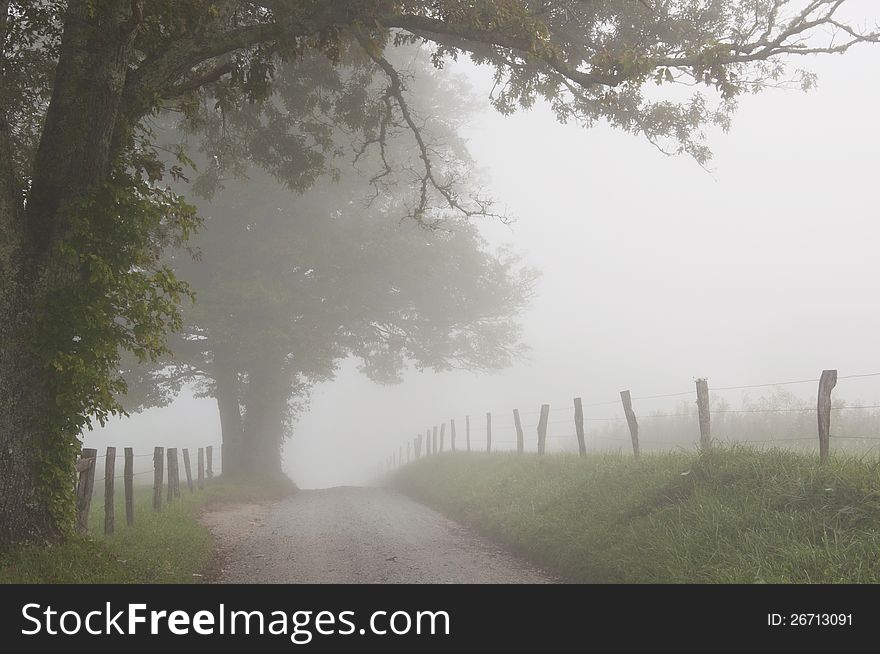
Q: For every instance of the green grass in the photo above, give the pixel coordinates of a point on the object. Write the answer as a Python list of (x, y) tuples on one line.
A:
[(166, 547), (737, 515)]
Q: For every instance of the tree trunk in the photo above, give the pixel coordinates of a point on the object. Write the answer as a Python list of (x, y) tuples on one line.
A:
[(24, 513), (74, 152), (36, 456), (229, 405), (267, 397)]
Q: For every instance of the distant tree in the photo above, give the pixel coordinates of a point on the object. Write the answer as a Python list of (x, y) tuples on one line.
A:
[(289, 285), (84, 212)]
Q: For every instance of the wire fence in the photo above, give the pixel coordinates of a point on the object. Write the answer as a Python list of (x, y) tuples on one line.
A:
[(164, 460), (782, 420)]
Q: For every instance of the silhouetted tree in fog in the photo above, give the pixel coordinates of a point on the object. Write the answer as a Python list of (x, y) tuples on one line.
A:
[(288, 285)]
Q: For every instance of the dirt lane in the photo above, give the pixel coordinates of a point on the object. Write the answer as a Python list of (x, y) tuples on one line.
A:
[(356, 535)]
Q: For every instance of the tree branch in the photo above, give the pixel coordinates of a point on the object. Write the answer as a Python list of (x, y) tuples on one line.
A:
[(206, 77), (428, 178)]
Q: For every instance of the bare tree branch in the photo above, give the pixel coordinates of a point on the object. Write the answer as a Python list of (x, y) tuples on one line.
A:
[(428, 179)]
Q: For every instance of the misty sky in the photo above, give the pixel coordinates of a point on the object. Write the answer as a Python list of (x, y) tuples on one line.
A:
[(654, 272)]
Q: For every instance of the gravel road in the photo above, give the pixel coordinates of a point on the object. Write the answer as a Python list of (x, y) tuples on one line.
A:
[(355, 535)]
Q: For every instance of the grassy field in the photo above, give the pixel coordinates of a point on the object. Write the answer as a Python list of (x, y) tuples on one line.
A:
[(166, 547), (737, 515)]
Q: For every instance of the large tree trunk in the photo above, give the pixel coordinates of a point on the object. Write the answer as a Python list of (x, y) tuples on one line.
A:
[(267, 396), (36, 458), (74, 152), (24, 514), (24, 451), (229, 405)]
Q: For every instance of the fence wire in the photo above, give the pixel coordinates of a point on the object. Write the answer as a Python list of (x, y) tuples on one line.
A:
[(592, 437)]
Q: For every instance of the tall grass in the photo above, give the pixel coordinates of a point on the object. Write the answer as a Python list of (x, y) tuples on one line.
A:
[(736, 515), (169, 546)]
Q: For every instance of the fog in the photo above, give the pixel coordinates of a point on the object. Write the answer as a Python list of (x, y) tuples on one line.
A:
[(654, 272)]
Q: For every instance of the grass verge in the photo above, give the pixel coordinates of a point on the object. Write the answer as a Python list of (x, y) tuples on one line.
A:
[(735, 515), (166, 547)]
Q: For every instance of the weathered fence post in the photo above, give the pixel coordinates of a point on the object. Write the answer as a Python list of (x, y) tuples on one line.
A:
[(128, 479), (85, 487), (434, 440), (158, 461), (703, 409), (826, 383), (172, 473), (176, 474), (417, 445), (400, 455), (109, 488), (188, 470), (467, 431), (579, 425), (626, 399), (452, 435), (200, 480), (488, 432), (542, 428), (442, 433), (209, 452), (407, 451), (519, 431)]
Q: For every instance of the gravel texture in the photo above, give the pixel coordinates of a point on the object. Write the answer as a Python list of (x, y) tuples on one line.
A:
[(355, 535)]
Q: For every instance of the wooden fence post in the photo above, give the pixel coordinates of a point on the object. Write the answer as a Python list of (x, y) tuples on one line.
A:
[(172, 472), (209, 452), (428, 442), (200, 480), (158, 462), (467, 431), (579, 425), (542, 428), (452, 435), (188, 470), (703, 409), (626, 399), (826, 383), (128, 478), (109, 488), (442, 433), (176, 474), (417, 446), (400, 455), (519, 431), (434, 440), (488, 432), (85, 487)]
